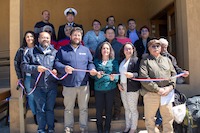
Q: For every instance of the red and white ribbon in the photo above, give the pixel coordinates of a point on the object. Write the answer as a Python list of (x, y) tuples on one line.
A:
[(80, 70)]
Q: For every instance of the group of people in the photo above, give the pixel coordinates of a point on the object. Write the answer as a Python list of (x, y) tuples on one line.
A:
[(110, 58)]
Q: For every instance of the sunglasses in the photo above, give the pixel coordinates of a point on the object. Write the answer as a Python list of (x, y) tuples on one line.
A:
[(48, 31), (155, 46)]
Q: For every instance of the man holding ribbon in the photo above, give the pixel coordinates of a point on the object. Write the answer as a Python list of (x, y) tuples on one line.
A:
[(39, 63), (157, 94), (76, 60)]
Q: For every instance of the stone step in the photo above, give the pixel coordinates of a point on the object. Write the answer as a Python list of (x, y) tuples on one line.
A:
[(91, 103), (116, 126), (59, 102), (59, 112)]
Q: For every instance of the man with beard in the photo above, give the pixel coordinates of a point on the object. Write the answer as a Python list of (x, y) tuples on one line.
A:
[(71, 57), (36, 61)]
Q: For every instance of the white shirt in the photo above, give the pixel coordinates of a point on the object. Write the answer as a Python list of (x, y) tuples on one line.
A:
[(122, 69)]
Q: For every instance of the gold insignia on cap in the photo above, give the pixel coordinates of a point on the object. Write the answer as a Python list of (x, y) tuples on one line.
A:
[(70, 10)]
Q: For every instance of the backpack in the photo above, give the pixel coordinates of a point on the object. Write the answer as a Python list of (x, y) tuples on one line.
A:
[(193, 105)]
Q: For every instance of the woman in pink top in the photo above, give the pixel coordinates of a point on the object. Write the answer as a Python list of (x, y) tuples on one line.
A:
[(121, 34)]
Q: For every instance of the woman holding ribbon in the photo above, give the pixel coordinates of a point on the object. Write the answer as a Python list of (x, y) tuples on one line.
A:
[(157, 94), (105, 85), (129, 68), (28, 42)]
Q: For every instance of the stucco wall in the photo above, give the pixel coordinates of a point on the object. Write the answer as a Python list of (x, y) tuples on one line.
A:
[(88, 10), (192, 29), (4, 26)]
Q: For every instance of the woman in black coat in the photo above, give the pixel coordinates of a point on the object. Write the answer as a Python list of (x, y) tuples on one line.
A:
[(129, 88)]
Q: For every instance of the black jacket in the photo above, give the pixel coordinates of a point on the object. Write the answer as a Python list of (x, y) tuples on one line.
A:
[(133, 67), (61, 33), (35, 57), (17, 62), (140, 47), (174, 62)]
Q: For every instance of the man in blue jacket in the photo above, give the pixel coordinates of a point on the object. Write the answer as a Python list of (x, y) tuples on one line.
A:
[(36, 61), (68, 59)]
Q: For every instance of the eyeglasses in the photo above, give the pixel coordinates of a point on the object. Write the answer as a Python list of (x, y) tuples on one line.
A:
[(48, 31), (145, 30), (155, 46), (128, 49)]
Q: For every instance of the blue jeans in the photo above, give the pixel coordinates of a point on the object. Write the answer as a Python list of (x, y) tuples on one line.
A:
[(158, 118), (31, 101), (45, 100)]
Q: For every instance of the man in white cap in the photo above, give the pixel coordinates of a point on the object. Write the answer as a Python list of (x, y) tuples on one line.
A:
[(70, 14)]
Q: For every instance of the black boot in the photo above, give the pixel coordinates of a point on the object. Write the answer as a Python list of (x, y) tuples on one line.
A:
[(35, 119)]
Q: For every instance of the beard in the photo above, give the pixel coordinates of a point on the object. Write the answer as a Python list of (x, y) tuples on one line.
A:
[(75, 43), (45, 44)]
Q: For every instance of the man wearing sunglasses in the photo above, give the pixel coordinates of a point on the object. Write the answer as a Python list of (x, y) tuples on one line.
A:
[(155, 66)]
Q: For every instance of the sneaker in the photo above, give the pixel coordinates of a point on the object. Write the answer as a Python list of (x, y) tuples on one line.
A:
[(83, 130), (51, 131), (41, 131), (68, 130)]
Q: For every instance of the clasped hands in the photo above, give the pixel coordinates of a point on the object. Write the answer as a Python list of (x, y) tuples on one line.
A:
[(164, 91)]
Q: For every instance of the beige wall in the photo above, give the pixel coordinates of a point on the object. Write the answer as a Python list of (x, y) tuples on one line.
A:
[(142, 11), (191, 30), (87, 11), (4, 26)]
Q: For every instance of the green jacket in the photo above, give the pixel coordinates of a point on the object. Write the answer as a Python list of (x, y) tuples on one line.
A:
[(104, 83), (160, 67)]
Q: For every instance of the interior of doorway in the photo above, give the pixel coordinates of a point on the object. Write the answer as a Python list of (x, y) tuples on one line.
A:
[(163, 25)]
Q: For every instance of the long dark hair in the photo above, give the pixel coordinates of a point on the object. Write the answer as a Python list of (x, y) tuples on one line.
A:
[(112, 53), (122, 55), (24, 44)]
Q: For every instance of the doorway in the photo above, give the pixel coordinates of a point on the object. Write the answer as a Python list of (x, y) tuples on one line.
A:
[(163, 25)]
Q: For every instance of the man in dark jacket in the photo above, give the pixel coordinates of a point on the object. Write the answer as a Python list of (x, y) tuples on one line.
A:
[(68, 59), (45, 21), (70, 14), (36, 61), (141, 44), (164, 52), (110, 23)]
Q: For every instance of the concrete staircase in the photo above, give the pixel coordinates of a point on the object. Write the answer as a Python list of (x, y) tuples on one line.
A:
[(116, 126)]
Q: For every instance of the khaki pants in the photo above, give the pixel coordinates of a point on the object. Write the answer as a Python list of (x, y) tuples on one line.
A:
[(130, 101), (151, 105), (70, 94)]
